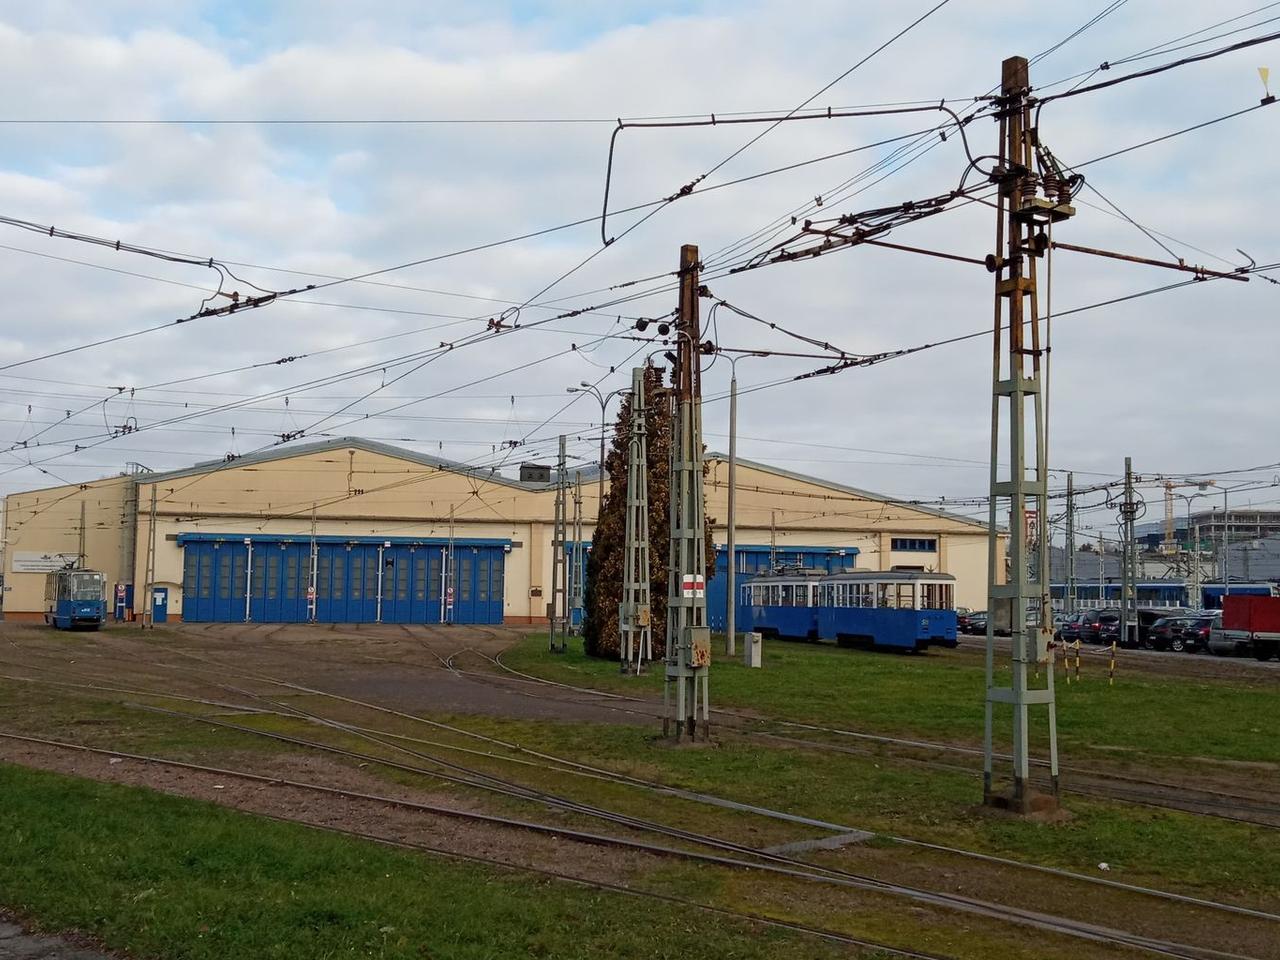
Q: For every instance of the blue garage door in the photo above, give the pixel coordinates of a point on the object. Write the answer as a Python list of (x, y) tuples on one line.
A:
[(357, 581), (753, 559)]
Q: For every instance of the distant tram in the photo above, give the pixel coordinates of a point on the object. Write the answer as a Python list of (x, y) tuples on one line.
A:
[(74, 598), (895, 609)]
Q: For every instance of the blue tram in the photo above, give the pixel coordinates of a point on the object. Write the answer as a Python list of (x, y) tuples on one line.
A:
[(74, 598), (895, 609)]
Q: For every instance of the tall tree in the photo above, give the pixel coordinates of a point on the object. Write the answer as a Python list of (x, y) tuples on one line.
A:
[(605, 561)]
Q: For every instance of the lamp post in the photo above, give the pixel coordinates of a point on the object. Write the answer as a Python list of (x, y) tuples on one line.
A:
[(603, 400), (1226, 522), (1195, 561), (731, 588)]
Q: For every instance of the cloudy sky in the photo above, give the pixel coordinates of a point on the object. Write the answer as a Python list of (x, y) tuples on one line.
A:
[(1183, 381)]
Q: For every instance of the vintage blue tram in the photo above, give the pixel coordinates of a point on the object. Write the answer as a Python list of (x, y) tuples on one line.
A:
[(894, 609), (74, 598)]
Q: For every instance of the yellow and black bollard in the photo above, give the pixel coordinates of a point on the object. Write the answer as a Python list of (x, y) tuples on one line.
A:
[(1111, 670)]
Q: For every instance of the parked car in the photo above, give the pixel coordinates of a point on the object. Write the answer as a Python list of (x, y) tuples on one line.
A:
[(1146, 620), (1166, 633), (1223, 642), (965, 622), (1069, 629), (1093, 622)]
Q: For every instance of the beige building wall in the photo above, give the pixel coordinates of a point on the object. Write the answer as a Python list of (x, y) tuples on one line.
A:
[(48, 521), (362, 489)]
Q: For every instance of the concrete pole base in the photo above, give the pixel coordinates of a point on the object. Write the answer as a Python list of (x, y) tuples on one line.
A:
[(1031, 802)]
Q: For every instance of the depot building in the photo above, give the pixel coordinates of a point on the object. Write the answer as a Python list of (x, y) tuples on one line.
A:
[(359, 531)]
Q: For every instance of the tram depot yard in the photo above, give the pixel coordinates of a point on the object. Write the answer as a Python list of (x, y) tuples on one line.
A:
[(291, 790)]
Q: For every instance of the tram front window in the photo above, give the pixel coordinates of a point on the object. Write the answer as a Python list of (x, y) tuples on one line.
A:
[(86, 586)]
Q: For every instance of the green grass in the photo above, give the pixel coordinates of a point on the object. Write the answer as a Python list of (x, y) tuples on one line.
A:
[(156, 875), (939, 696)]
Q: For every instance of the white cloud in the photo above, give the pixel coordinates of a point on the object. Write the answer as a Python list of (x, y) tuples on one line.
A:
[(1144, 378)]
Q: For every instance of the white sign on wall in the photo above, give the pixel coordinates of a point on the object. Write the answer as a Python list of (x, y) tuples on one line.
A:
[(33, 561)]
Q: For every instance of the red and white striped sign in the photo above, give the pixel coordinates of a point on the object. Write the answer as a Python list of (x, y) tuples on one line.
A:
[(693, 585)]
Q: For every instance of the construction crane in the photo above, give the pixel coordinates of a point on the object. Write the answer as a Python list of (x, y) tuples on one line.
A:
[(1169, 545)]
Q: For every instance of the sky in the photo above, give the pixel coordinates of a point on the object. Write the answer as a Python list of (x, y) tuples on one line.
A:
[(1184, 381)]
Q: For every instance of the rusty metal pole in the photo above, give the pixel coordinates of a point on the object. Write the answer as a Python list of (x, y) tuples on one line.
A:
[(688, 656), (1019, 602)]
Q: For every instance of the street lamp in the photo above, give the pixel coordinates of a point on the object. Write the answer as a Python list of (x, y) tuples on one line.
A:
[(603, 400), (731, 608), (1195, 562)]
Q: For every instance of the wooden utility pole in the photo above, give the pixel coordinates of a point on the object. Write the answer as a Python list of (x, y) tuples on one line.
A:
[(688, 658), (1017, 356)]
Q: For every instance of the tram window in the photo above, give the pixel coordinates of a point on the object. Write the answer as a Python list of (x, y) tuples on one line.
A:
[(948, 596), (86, 586), (788, 595), (884, 595), (906, 596)]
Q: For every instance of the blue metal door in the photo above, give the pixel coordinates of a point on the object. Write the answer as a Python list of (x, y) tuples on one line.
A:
[(351, 577), (159, 604)]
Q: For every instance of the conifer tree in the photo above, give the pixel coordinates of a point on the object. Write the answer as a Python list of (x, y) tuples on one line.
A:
[(605, 561)]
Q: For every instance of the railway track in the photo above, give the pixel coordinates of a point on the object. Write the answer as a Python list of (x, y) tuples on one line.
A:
[(736, 857), (1240, 808), (637, 892), (743, 857), (1251, 810)]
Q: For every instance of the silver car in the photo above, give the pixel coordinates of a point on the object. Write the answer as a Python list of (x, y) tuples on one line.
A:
[(1225, 642)]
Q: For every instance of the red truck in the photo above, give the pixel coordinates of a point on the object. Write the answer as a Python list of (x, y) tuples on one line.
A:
[(1252, 622)]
